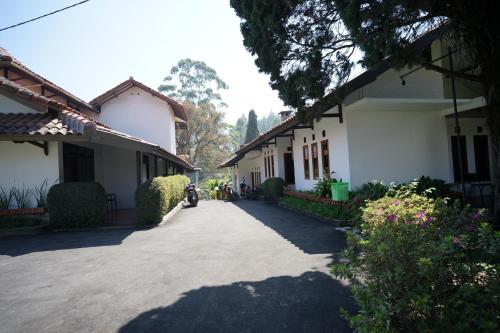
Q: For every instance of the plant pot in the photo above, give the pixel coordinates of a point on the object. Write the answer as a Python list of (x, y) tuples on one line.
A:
[(340, 191)]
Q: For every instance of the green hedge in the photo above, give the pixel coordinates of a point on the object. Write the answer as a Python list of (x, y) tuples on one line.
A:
[(20, 221), (157, 196), (73, 205), (273, 188)]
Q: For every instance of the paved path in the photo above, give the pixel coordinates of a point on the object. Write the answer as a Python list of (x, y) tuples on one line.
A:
[(220, 267)]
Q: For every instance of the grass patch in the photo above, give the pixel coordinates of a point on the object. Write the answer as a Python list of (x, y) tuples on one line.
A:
[(320, 209), (12, 222)]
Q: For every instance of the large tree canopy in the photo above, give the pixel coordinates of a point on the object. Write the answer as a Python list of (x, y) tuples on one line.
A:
[(193, 81), (206, 140), (303, 45), (306, 45)]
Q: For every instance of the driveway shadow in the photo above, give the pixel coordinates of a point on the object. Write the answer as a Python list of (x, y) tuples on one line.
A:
[(307, 303), (308, 234), (20, 245)]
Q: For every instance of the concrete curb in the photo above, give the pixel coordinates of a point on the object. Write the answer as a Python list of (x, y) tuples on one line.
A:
[(171, 214), (105, 227), (337, 223)]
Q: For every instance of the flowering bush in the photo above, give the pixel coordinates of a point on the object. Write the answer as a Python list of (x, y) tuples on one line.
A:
[(420, 265)]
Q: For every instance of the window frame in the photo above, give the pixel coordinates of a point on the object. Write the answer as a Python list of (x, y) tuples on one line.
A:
[(305, 160), (315, 160), (325, 157)]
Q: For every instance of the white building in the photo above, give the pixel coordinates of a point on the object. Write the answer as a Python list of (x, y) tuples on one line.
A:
[(382, 130), (120, 139)]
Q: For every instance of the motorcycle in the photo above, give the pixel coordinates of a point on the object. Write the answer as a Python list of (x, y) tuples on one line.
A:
[(191, 195), (230, 195)]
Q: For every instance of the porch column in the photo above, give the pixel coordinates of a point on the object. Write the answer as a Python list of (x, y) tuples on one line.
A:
[(155, 161), (138, 159)]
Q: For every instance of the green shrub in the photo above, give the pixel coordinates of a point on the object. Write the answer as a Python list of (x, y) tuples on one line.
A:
[(273, 188), (76, 204), (420, 265), (157, 196), (370, 191), (318, 208), (20, 221), (432, 188), (323, 188)]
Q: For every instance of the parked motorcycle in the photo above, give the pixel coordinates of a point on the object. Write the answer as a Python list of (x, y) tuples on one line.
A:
[(191, 195), (229, 193)]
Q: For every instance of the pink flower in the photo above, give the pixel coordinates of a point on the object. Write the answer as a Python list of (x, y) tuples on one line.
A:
[(421, 215), (395, 202), (476, 216), (456, 240), (392, 218), (407, 222), (429, 219)]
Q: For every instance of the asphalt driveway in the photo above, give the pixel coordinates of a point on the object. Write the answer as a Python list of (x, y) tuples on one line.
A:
[(220, 267)]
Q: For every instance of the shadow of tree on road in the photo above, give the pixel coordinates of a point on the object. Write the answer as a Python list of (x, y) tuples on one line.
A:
[(20, 245), (308, 234), (307, 303)]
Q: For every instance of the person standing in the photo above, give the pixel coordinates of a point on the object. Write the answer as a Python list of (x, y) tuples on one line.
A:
[(243, 187)]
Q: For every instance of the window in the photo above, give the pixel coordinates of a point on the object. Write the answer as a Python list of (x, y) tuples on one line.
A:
[(314, 137), (272, 165), (265, 166), (305, 151), (323, 133), (269, 166), (145, 161), (314, 152), (325, 157)]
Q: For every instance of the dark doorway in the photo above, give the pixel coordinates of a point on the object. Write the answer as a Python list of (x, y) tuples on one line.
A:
[(289, 168), (482, 157), (78, 163), (454, 152)]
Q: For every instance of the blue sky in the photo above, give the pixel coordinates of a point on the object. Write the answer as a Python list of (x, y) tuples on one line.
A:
[(91, 48)]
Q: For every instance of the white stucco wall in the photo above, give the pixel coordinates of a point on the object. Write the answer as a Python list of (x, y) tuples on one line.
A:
[(252, 162), (420, 84), (141, 114), (396, 145), (24, 164), (336, 135), (8, 105)]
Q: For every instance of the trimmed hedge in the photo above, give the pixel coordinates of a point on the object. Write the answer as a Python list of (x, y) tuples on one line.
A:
[(157, 196), (73, 205), (273, 188)]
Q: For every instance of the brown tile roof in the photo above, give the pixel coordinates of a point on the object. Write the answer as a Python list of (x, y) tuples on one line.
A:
[(177, 107), (68, 122), (32, 124), (8, 59), (282, 127)]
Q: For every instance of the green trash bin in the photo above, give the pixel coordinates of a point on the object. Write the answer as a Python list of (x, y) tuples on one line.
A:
[(340, 191)]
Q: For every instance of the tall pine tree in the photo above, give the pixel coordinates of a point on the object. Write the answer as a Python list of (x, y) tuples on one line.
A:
[(252, 127), (241, 128)]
